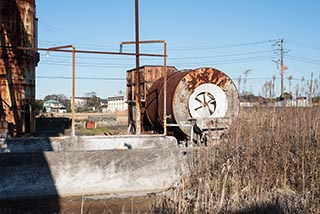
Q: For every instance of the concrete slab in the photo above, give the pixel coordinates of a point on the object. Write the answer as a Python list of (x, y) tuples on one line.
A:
[(87, 143), (72, 173)]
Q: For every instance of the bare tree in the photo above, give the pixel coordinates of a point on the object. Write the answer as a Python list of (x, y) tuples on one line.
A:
[(290, 79), (317, 88), (239, 83), (297, 90), (273, 84), (302, 88), (246, 73)]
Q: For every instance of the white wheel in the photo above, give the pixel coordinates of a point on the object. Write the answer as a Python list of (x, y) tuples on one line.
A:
[(208, 100)]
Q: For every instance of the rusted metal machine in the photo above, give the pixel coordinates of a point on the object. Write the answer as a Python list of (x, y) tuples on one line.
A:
[(201, 103), (17, 67), (148, 75)]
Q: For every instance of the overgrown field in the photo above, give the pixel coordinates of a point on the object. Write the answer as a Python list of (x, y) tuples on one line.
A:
[(268, 163)]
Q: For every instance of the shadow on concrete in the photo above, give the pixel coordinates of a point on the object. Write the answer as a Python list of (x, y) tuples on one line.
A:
[(17, 172), (25, 178), (52, 126), (21, 174)]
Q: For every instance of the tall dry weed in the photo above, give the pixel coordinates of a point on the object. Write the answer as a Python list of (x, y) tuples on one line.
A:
[(267, 163)]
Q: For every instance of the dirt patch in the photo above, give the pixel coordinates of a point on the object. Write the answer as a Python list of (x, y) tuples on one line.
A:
[(77, 205)]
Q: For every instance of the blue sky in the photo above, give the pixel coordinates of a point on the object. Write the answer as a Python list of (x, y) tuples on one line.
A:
[(231, 35)]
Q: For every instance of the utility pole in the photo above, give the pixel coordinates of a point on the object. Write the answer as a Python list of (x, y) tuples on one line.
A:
[(280, 61), (281, 67)]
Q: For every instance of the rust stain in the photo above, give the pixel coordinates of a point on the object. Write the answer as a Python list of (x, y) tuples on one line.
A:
[(17, 67), (200, 76)]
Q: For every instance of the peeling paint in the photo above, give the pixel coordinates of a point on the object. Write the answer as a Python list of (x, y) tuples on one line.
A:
[(17, 67), (181, 86)]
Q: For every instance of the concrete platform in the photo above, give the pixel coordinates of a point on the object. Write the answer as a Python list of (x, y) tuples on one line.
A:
[(81, 143), (90, 166)]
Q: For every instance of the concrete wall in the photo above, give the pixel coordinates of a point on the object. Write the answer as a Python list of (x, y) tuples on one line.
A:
[(40, 144), (34, 167), (73, 173)]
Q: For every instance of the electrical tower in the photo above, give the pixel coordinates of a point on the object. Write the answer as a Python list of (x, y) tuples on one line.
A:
[(280, 61)]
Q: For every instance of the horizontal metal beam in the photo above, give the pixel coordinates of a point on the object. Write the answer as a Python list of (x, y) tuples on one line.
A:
[(143, 42), (84, 51)]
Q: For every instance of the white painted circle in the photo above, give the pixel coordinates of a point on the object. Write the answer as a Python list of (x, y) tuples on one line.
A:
[(208, 100)]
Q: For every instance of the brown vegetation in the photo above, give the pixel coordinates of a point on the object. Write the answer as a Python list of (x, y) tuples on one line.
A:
[(268, 163)]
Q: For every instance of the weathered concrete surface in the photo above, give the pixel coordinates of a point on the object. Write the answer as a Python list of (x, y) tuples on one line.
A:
[(39, 144), (71, 173)]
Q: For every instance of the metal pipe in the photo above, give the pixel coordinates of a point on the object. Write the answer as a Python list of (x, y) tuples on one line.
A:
[(164, 75), (87, 51), (137, 77), (142, 42), (58, 49), (73, 129), (165, 88), (73, 51)]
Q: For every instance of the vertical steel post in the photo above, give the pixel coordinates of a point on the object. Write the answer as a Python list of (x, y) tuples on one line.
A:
[(137, 77), (165, 88), (164, 72), (73, 130)]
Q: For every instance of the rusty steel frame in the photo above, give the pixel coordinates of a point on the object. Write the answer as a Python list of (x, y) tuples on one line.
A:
[(73, 130), (90, 52), (74, 51), (138, 114)]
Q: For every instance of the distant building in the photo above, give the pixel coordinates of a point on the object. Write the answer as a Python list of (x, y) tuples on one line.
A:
[(54, 106), (117, 103), (80, 102), (251, 100), (103, 105), (297, 102)]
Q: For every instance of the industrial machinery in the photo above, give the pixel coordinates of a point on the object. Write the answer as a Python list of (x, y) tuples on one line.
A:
[(201, 104)]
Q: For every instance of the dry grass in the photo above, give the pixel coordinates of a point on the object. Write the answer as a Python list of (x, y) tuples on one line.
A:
[(268, 163)]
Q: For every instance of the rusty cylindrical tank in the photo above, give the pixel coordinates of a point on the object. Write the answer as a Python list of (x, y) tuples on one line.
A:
[(17, 67), (206, 96)]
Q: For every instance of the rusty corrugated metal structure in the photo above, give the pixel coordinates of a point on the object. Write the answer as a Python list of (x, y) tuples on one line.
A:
[(17, 67), (205, 99), (149, 74), (199, 101)]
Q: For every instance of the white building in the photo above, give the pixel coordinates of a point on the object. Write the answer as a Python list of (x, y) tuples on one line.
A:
[(117, 103), (80, 102), (54, 106)]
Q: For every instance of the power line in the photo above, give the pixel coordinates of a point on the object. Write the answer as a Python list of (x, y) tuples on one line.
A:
[(304, 45), (221, 46), (172, 58), (228, 61), (121, 65), (224, 55), (177, 48), (305, 60)]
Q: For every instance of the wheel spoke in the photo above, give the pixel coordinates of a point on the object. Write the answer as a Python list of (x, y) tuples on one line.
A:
[(206, 101), (196, 109)]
